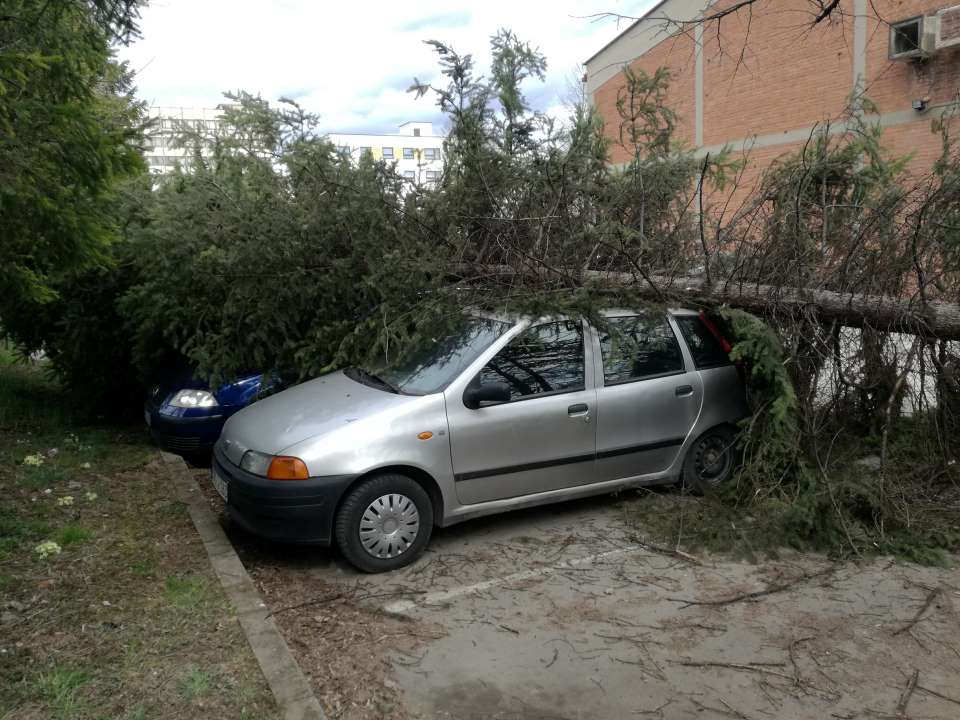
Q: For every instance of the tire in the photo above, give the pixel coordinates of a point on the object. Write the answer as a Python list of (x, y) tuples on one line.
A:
[(710, 461), (374, 526)]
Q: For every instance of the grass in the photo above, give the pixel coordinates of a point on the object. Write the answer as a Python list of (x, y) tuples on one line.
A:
[(59, 689), (71, 534), (185, 592), (195, 684), (128, 621)]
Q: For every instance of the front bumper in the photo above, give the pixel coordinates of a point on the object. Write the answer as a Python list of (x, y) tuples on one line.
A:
[(296, 511), (183, 435)]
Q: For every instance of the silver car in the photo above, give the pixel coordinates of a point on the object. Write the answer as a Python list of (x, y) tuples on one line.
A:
[(506, 413)]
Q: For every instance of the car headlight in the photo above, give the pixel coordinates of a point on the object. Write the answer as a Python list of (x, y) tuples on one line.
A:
[(256, 462), (274, 467), (193, 399)]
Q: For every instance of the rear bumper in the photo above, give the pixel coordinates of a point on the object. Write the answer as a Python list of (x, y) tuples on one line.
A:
[(295, 511)]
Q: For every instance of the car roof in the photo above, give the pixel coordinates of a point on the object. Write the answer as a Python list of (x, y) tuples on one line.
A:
[(514, 318)]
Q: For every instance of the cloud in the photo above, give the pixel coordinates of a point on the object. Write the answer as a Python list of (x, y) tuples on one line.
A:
[(442, 20), (350, 63)]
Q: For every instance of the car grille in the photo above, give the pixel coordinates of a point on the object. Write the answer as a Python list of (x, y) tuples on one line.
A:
[(177, 444)]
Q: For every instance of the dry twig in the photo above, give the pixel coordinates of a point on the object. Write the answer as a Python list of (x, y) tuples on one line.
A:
[(931, 596), (752, 596), (907, 693)]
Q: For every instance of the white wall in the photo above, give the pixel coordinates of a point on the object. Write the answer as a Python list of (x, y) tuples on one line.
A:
[(415, 163)]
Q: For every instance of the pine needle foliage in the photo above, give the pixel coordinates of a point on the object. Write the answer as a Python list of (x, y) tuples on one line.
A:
[(69, 128)]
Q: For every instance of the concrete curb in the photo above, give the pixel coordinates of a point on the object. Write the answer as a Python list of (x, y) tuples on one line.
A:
[(286, 680)]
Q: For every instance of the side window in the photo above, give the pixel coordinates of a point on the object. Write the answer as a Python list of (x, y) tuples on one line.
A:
[(704, 346), (543, 359), (639, 347)]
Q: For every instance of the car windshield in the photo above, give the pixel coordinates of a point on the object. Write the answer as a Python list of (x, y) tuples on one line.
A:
[(433, 367)]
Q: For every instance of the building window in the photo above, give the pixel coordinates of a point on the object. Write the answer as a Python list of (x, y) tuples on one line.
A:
[(432, 175), (388, 153), (409, 175), (416, 132), (905, 38), (344, 149), (364, 150), (408, 153), (430, 153)]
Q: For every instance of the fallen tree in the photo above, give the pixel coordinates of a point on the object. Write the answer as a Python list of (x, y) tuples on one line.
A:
[(936, 319)]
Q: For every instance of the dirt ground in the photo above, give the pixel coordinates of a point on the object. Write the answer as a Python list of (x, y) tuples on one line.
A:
[(560, 613)]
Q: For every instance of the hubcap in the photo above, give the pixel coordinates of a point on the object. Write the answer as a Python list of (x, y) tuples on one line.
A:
[(712, 460), (389, 526)]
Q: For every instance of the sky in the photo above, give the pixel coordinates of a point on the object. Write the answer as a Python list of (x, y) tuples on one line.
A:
[(352, 62)]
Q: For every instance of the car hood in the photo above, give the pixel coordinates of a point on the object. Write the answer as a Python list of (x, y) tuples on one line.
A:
[(313, 408)]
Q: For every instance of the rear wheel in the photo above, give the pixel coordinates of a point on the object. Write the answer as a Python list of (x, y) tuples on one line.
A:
[(384, 523), (711, 460)]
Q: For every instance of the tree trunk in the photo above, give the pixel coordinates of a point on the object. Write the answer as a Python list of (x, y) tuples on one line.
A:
[(938, 319)]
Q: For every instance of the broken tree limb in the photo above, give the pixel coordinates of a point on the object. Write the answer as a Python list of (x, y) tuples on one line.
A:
[(907, 693), (891, 313), (755, 595), (931, 596), (936, 694), (881, 312)]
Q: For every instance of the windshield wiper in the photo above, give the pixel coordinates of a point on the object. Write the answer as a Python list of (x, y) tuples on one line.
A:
[(376, 380)]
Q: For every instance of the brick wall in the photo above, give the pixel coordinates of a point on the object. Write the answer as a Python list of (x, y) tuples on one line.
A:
[(764, 74), (675, 53), (769, 73)]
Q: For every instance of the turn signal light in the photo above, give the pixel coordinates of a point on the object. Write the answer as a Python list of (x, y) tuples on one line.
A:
[(287, 468)]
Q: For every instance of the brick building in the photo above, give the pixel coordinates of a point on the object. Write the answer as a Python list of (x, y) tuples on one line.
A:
[(903, 55)]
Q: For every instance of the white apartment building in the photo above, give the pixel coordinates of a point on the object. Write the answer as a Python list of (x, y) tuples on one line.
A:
[(160, 144), (417, 151)]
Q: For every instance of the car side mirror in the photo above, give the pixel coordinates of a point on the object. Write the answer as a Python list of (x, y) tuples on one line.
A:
[(496, 392)]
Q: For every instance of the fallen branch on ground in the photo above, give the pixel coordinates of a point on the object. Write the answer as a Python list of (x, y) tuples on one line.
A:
[(935, 694), (907, 693), (668, 551), (931, 596), (751, 596), (344, 596)]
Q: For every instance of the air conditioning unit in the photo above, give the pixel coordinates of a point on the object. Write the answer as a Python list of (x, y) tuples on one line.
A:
[(915, 38), (948, 27)]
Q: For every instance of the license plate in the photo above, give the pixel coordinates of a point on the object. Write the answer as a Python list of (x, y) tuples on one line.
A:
[(219, 484)]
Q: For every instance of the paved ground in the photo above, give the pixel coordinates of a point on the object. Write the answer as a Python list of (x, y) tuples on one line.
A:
[(559, 613)]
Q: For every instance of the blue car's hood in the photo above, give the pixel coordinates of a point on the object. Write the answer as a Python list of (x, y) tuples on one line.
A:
[(241, 391), (230, 396)]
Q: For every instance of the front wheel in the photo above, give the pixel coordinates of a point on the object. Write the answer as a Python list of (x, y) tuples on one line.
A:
[(384, 523), (711, 460)]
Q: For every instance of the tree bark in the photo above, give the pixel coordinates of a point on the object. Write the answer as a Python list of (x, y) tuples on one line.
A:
[(937, 319)]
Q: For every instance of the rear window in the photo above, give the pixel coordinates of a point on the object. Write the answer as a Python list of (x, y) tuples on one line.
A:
[(704, 346)]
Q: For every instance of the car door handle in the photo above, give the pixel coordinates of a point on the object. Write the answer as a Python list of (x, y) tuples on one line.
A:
[(578, 409), (684, 390)]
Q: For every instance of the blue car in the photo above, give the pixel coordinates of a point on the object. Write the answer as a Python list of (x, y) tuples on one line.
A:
[(185, 416)]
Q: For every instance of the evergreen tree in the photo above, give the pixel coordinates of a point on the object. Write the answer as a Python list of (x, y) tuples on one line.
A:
[(68, 131)]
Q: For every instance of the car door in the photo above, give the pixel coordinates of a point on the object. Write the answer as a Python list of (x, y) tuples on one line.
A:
[(648, 397), (544, 437)]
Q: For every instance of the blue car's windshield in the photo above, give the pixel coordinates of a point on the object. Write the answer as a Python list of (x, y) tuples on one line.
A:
[(433, 367)]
